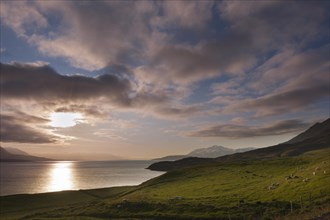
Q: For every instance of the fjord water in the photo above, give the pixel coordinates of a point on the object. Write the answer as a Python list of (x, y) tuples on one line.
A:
[(39, 177)]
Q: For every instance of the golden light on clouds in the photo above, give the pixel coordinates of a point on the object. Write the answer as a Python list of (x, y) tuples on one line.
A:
[(64, 119)]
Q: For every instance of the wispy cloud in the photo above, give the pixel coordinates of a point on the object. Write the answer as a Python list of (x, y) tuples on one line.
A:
[(290, 85), (242, 131), (108, 133)]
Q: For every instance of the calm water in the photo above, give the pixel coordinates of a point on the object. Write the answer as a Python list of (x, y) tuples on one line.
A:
[(38, 177)]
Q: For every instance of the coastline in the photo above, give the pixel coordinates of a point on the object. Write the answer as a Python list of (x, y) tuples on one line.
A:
[(204, 192), (53, 176)]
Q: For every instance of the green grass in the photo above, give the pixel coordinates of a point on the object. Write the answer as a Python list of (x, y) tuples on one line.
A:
[(17, 206), (218, 191)]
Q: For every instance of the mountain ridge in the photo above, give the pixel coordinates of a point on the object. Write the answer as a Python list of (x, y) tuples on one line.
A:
[(16, 151), (6, 156), (314, 138), (206, 152)]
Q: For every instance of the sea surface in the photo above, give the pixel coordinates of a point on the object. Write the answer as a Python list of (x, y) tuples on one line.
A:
[(39, 177)]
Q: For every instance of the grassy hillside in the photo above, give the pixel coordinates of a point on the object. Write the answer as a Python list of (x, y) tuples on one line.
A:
[(256, 189), (314, 138), (17, 206)]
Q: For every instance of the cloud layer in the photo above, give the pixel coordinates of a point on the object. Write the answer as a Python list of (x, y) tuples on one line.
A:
[(27, 81), (192, 60), (39, 83), (241, 131)]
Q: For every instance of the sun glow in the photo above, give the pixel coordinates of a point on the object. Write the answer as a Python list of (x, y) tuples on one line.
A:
[(64, 119), (61, 177)]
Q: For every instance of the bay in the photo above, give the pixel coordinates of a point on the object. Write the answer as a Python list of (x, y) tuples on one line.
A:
[(40, 177)]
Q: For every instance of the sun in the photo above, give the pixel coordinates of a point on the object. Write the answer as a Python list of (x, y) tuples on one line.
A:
[(64, 119)]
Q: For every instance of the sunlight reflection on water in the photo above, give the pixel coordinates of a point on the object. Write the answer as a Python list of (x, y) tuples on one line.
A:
[(40, 177), (61, 177)]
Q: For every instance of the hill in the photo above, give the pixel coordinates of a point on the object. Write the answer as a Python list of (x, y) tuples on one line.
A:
[(5, 155), (209, 152), (17, 151), (319, 130), (316, 137)]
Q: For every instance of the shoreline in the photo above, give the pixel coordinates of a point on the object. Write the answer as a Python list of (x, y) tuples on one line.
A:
[(46, 177), (71, 190)]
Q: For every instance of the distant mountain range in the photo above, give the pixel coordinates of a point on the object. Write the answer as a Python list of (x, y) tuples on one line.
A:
[(314, 138), (16, 151), (209, 152), (14, 154)]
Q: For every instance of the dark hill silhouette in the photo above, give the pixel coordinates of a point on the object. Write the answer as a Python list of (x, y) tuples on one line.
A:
[(319, 130), (9, 157), (314, 138), (16, 151)]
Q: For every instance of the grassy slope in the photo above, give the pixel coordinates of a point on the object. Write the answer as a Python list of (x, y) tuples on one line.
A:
[(17, 206), (224, 191)]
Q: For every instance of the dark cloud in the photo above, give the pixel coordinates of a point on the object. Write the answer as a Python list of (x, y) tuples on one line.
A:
[(241, 131), (285, 102), (276, 23), (24, 81), (230, 53), (88, 95), (21, 129)]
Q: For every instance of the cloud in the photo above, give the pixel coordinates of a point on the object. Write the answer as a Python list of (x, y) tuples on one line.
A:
[(178, 111), (39, 84), (276, 24), (241, 131), (21, 15), (285, 83), (185, 14), (42, 83), (226, 88), (284, 102), (94, 34), (128, 36), (156, 55), (109, 134), (21, 128), (292, 70), (239, 48), (185, 64), (162, 41), (90, 110)]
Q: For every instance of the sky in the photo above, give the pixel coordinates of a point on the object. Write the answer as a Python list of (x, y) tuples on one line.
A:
[(98, 80)]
